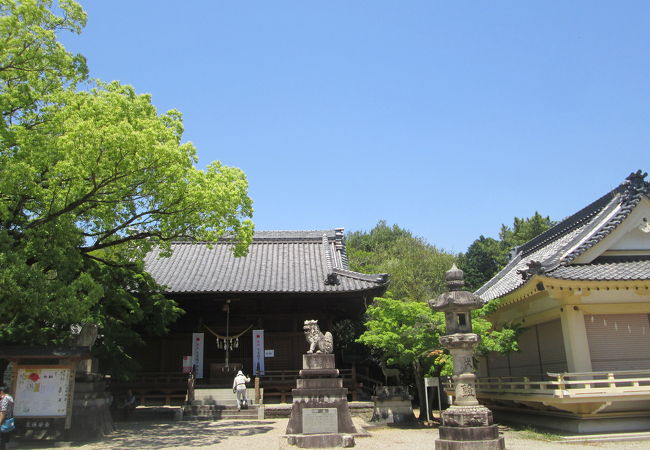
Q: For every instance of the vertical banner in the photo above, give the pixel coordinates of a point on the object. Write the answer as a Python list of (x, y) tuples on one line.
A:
[(197, 354), (258, 352), (187, 364)]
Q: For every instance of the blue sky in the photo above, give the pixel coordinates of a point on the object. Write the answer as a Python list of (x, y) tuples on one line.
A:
[(447, 118)]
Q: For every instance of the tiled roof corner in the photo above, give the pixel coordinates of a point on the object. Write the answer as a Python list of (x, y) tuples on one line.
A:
[(575, 234), (631, 191)]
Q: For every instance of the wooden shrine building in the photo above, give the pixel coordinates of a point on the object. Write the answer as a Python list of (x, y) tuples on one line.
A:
[(581, 294), (286, 278)]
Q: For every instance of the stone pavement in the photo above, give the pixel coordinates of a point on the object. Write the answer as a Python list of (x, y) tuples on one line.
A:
[(265, 435)]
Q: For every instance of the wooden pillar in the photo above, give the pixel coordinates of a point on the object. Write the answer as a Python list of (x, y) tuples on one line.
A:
[(576, 344)]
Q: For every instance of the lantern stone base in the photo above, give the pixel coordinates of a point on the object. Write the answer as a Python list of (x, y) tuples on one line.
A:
[(467, 416), (470, 438), (469, 427)]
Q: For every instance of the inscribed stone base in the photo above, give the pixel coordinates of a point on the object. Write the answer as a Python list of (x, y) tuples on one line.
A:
[(320, 415), (344, 419), (318, 361)]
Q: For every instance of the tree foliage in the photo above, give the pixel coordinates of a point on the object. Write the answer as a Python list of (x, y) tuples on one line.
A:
[(486, 256), (407, 335), (404, 332), (416, 267), (89, 182)]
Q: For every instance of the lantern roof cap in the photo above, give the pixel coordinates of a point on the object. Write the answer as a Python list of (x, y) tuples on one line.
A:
[(455, 299)]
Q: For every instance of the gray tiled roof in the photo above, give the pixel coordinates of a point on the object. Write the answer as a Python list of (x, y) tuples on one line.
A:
[(277, 261), (623, 270), (552, 252)]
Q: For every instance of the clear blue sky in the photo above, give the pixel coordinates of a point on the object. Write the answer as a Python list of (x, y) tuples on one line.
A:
[(448, 118)]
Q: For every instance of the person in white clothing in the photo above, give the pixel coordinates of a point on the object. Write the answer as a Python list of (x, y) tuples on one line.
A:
[(239, 388)]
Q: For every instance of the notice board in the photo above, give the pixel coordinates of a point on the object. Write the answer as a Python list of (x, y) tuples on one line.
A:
[(42, 391)]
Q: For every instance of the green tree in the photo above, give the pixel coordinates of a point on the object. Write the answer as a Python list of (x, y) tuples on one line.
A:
[(90, 181), (401, 330), (486, 256), (33, 64), (416, 267), (407, 335), (404, 334)]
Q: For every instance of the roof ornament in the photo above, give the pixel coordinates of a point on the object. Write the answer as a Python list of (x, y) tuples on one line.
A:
[(534, 268), (332, 279), (645, 225), (635, 185)]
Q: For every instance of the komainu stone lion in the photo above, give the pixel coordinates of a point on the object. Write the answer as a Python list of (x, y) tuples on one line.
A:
[(321, 343)]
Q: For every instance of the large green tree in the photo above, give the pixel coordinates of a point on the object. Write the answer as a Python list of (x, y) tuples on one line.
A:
[(416, 267), (407, 335), (90, 180), (486, 256), (401, 330), (404, 334)]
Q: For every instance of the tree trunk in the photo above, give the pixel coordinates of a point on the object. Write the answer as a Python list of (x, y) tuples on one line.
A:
[(419, 384)]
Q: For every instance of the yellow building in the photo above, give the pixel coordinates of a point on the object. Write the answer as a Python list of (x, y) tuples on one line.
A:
[(581, 292)]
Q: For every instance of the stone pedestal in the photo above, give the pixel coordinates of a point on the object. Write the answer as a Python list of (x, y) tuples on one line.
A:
[(469, 427), (392, 405), (320, 416), (91, 416)]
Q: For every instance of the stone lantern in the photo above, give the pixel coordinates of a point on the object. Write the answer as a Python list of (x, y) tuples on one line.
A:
[(466, 424)]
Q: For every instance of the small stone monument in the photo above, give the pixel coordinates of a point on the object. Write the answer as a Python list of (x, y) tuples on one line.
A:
[(320, 416), (466, 424), (392, 406)]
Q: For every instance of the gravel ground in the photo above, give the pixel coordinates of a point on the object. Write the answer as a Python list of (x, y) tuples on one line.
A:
[(265, 434)]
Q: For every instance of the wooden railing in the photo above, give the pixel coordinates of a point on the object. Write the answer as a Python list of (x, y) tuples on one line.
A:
[(567, 385), (157, 387), (368, 384)]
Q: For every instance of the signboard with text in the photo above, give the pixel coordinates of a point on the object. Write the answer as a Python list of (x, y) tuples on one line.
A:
[(42, 391), (258, 352), (197, 354)]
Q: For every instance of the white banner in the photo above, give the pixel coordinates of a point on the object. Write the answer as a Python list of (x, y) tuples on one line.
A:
[(197, 354), (258, 352)]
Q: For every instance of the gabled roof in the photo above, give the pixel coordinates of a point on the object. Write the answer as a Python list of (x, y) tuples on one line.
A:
[(277, 262), (552, 253)]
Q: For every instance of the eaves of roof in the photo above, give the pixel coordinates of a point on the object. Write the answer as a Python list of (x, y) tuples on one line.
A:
[(277, 262), (563, 243)]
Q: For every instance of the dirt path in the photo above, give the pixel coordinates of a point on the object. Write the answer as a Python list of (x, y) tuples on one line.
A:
[(265, 435)]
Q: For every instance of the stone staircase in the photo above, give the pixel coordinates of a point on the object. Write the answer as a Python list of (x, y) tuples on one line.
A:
[(219, 404)]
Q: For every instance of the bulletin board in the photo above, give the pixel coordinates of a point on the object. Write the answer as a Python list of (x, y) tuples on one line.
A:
[(42, 391)]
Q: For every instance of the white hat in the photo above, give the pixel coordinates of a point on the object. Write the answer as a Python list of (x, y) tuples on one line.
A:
[(240, 373)]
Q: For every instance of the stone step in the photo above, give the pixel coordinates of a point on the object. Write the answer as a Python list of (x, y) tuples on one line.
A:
[(213, 396), (216, 412)]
